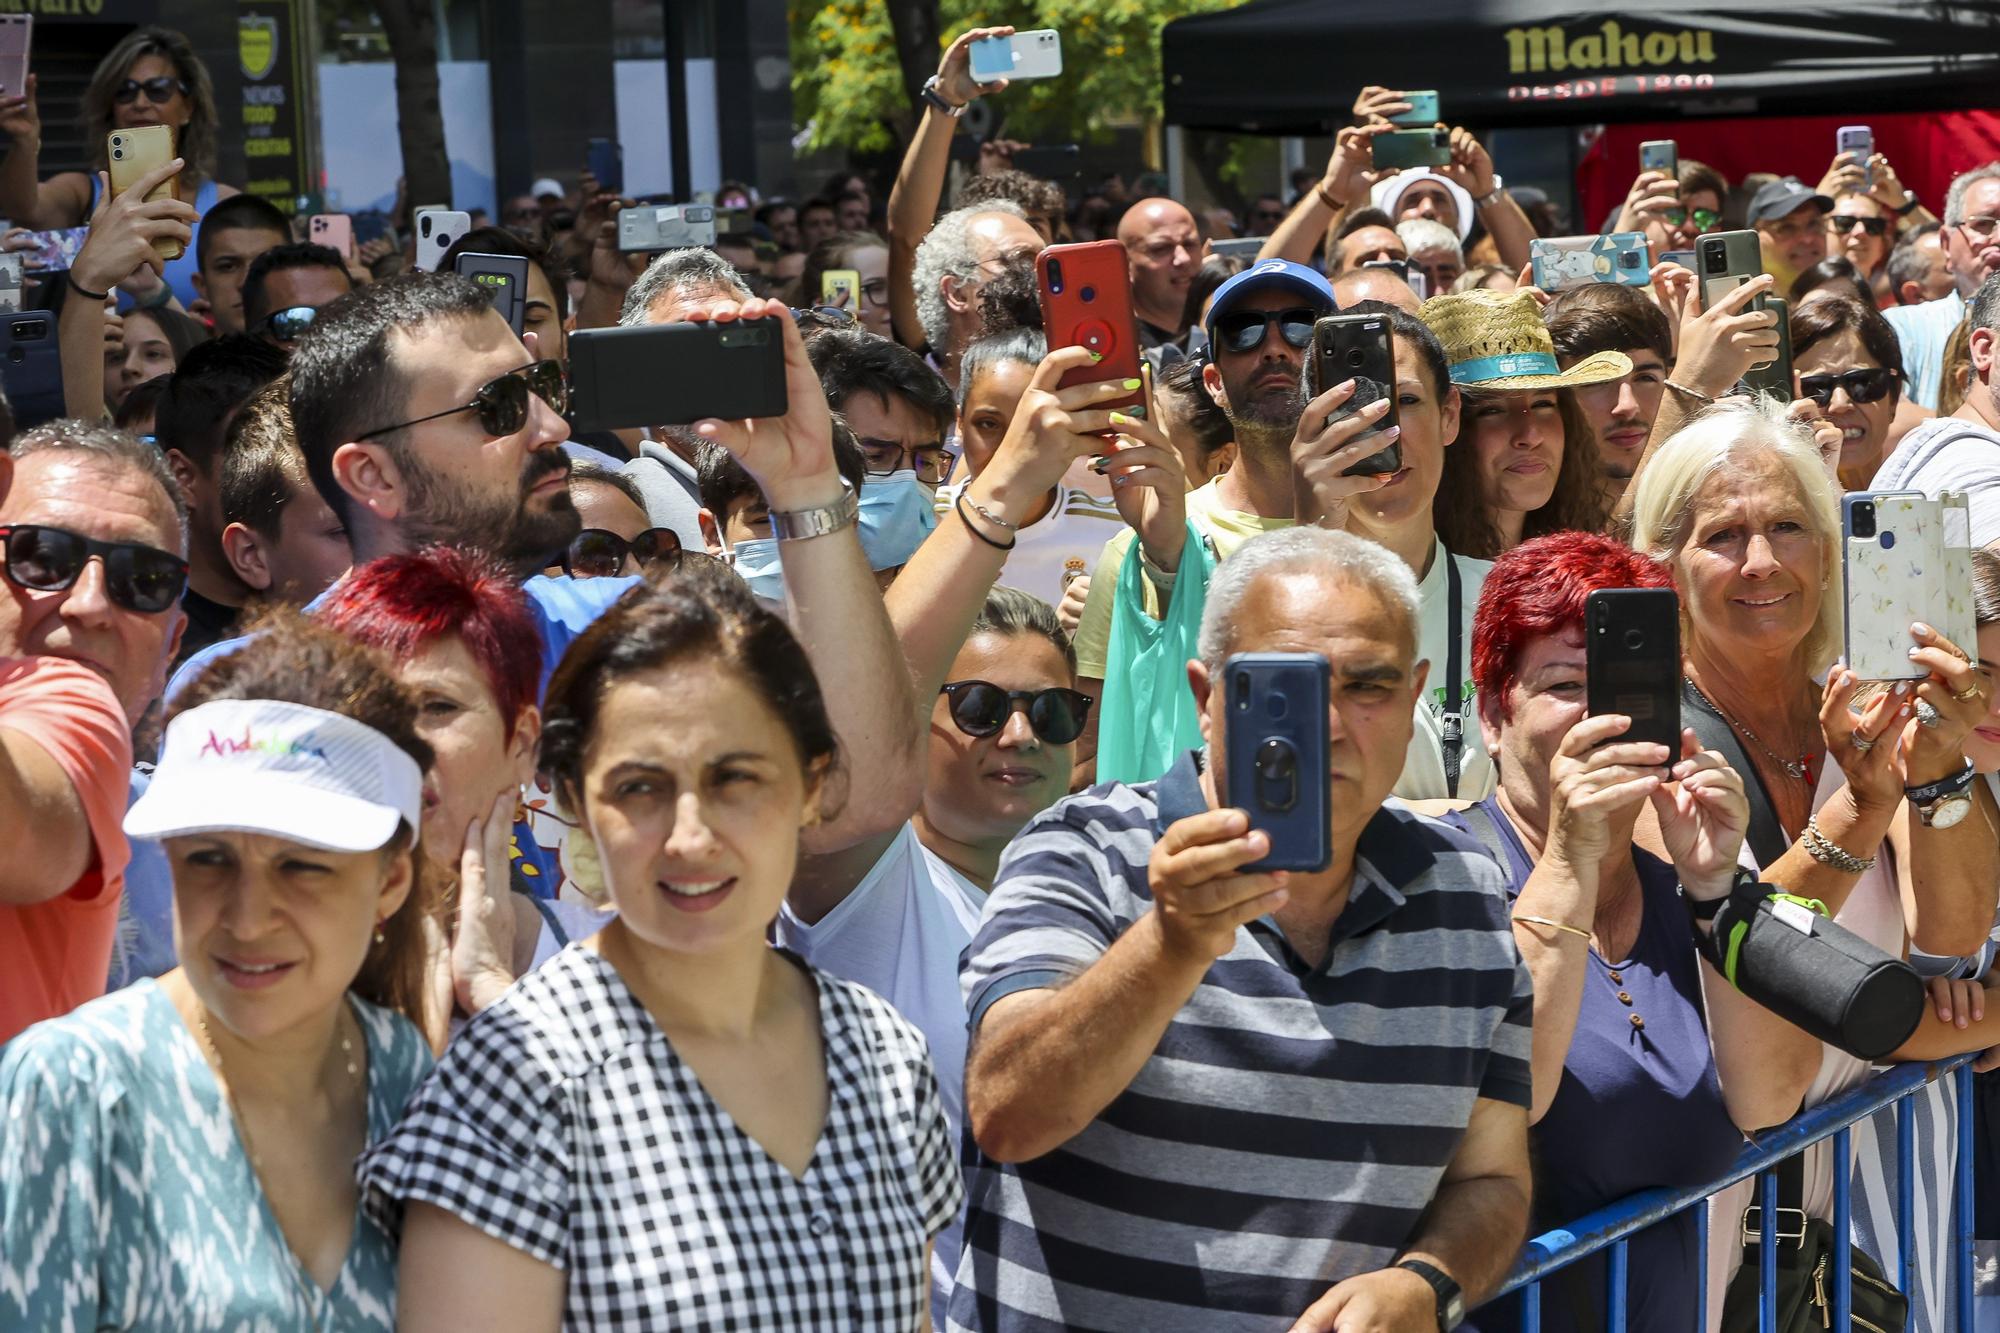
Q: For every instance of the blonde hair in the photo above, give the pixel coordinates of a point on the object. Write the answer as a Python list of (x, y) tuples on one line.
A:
[(1725, 441)]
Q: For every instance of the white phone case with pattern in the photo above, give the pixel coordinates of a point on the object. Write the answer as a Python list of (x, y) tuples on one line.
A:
[(1917, 565)]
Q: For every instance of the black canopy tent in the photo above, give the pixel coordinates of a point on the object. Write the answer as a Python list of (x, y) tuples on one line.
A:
[(1293, 66)]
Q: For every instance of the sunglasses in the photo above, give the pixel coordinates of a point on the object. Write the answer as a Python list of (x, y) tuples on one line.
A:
[(1703, 219), (502, 403), (137, 578), (980, 708), (286, 325), (1842, 223), (597, 554), (159, 90), (1245, 330), (1869, 385)]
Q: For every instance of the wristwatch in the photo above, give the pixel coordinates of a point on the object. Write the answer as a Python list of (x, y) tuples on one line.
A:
[(1909, 206), (1451, 1300), (1943, 803), (797, 525), (931, 94)]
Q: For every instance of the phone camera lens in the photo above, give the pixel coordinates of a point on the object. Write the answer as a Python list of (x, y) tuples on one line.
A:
[(1087, 293), (1713, 260), (1635, 639), (1864, 519), (1055, 275), (1355, 357)]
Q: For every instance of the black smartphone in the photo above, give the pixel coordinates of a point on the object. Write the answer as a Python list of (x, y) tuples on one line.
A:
[(31, 367), (1276, 754), (1632, 661), (673, 374), (606, 161), (1774, 379), (504, 278), (1725, 261), (1357, 347)]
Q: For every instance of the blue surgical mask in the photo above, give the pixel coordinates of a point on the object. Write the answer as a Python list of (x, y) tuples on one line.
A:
[(756, 561), (897, 513)]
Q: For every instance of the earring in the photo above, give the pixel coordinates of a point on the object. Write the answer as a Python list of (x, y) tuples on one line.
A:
[(379, 937)]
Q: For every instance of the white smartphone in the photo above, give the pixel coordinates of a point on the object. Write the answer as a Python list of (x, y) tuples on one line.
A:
[(1860, 141), (438, 229), (1905, 557), (10, 283), (17, 33), (1025, 55)]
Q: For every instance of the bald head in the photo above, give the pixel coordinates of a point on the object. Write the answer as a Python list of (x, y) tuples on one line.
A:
[(1375, 284), (1165, 251)]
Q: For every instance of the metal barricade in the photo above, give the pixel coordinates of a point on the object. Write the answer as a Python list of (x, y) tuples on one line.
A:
[(1610, 1227)]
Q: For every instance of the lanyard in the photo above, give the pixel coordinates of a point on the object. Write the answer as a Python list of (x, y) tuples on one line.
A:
[(1454, 723)]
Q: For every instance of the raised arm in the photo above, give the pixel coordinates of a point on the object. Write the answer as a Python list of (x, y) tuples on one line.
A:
[(1345, 184), (914, 198), (30, 201), (1472, 168), (120, 244)]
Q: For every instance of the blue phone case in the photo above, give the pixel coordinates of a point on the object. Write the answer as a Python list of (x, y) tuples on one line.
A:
[(1277, 752)]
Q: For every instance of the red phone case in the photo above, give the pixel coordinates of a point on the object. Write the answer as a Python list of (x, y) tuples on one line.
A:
[(1087, 302)]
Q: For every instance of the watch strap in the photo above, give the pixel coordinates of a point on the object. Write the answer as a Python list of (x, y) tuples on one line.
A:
[(797, 525), (931, 94), (1947, 786), (1450, 1298), (1909, 206)]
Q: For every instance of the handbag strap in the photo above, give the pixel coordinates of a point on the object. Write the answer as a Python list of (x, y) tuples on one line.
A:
[(1766, 836), (1453, 748)]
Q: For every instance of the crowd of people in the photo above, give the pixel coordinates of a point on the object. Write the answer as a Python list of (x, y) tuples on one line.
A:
[(464, 871)]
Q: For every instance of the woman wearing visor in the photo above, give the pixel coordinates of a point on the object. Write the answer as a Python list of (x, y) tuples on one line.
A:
[(181, 1153)]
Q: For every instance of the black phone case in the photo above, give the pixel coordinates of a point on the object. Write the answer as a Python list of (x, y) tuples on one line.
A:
[(1632, 657), (673, 374), (1774, 380), (1358, 347), (31, 367), (1277, 754), (510, 297)]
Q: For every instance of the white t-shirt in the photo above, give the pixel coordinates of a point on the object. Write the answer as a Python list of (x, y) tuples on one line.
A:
[(1066, 540), (1423, 771), (1950, 454)]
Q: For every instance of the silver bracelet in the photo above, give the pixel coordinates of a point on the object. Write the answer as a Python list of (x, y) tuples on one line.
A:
[(989, 515), (1696, 394), (1830, 853)]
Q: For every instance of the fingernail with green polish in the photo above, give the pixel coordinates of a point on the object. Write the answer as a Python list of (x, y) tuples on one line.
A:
[(1131, 384)]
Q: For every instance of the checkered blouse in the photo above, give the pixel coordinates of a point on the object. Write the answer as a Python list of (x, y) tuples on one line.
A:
[(561, 1122)]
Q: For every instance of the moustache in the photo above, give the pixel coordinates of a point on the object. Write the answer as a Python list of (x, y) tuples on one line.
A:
[(541, 466)]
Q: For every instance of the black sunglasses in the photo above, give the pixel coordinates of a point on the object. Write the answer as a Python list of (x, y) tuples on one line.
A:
[(1245, 330), (138, 578), (1842, 223), (596, 554), (502, 403), (981, 708), (159, 90), (286, 325), (1868, 385)]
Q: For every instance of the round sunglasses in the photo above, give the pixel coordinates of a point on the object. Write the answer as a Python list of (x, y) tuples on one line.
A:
[(159, 90), (1871, 384), (1245, 330), (136, 577), (597, 554), (1704, 220), (980, 709), (502, 402)]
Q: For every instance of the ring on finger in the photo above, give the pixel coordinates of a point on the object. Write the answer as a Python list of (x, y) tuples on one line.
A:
[(1862, 743), (1967, 694), (1927, 714)]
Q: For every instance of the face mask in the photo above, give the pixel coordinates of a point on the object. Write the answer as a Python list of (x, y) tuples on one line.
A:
[(756, 561), (897, 513)]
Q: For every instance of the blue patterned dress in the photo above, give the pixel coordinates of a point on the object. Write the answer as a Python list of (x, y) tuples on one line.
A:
[(127, 1201)]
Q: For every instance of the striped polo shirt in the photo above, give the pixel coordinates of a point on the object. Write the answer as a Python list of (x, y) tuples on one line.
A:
[(1293, 1122)]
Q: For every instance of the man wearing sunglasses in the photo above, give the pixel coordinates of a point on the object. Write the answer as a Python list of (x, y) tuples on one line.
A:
[(92, 536), (1139, 1075), (1971, 243), (286, 286), (1961, 452), (1789, 218)]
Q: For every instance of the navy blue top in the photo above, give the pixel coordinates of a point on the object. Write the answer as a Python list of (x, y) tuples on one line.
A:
[(1638, 1107)]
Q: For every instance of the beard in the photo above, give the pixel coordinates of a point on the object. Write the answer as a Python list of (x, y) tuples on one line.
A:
[(444, 511), (1267, 414)]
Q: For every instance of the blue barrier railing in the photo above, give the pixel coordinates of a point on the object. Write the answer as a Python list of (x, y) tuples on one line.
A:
[(1610, 1227)]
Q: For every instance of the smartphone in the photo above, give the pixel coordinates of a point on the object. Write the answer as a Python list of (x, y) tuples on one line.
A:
[(1632, 662), (1413, 148), (1418, 281), (1726, 260), (730, 371), (17, 33), (1423, 108), (371, 224), (1905, 557), (666, 227), (1660, 155), (606, 160), (1357, 347), (1025, 55), (1246, 248), (1562, 262), (504, 278), (1059, 162), (54, 251), (1773, 379), (438, 229), (1087, 302), (335, 231), (1276, 755), (10, 283), (135, 152), (1685, 258), (1860, 141), (840, 288), (31, 367)]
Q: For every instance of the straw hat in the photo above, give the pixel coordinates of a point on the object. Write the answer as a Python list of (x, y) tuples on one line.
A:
[(1496, 340)]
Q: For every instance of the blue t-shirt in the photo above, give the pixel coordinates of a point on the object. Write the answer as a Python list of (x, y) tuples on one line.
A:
[(1638, 1107)]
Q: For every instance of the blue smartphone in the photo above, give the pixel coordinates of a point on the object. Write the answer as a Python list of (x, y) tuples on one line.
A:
[(31, 367), (606, 162), (1275, 761), (1423, 110)]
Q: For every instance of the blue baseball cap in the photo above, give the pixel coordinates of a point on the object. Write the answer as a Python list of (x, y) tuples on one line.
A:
[(1269, 273)]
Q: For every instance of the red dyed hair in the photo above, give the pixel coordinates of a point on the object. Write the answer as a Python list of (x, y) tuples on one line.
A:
[(404, 603), (1539, 588)]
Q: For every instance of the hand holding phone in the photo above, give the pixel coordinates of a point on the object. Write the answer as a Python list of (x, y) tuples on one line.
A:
[(1860, 141), (1025, 55), (335, 231), (1632, 662), (841, 289), (1277, 754), (1423, 112), (1086, 291), (141, 153), (1663, 155), (504, 278), (1358, 348), (1413, 148)]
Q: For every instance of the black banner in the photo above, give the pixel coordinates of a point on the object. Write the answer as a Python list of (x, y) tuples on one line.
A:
[(277, 137), (1293, 66)]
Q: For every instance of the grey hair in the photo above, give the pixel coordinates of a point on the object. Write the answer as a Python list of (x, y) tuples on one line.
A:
[(678, 275), (1339, 556), (1983, 311), (1905, 263), (1012, 347), (106, 442), (1954, 198), (948, 252), (1421, 234), (1009, 611)]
